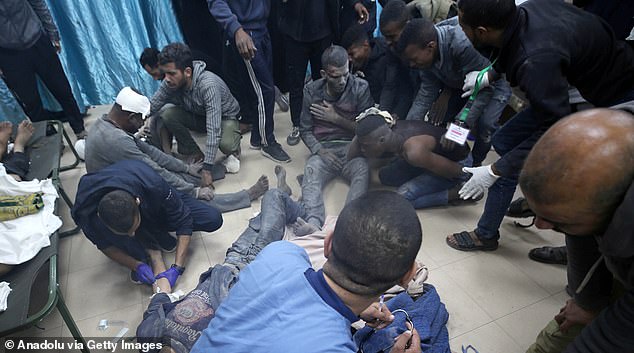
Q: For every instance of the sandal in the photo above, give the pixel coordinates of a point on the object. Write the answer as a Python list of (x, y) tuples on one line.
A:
[(556, 255), (464, 242)]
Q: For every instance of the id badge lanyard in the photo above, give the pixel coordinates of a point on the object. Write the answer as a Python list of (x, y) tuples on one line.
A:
[(458, 131)]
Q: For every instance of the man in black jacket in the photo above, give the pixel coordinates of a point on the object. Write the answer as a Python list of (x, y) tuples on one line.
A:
[(29, 44), (579, 181), (309, 27), (544, 46)]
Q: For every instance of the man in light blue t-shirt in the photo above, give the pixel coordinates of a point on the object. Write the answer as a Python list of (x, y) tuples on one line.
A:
[(280, 304)]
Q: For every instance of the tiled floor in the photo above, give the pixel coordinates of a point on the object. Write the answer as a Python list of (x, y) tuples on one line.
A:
[(497, 301)]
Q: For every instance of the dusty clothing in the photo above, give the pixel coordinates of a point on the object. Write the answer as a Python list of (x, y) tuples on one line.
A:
[(354, 99)]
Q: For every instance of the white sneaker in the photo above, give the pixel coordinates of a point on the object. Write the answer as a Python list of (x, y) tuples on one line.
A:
[(232, 164)]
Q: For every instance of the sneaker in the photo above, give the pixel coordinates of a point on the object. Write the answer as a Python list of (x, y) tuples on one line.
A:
[(293, 137), (276, 153), (232, 164), (255, 147), (281, 100)]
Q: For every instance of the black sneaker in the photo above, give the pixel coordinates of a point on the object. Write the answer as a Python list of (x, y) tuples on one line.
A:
[(276, 153), (293, 137), (256, 147)]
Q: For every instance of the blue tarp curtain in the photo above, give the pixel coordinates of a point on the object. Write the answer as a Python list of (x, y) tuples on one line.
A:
[(101, 44)]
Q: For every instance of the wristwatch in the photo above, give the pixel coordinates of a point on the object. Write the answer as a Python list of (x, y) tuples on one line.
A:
[(179, 269)]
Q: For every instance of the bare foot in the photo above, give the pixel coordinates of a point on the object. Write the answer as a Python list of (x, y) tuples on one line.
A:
[(5, 132), (259, 188), (301, 227), (25, 131), (280, 173)]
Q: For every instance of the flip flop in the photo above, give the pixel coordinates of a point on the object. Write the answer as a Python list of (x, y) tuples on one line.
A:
[(464, 242)]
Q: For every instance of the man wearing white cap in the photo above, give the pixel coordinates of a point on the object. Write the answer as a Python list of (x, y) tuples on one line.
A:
[(112, 140)]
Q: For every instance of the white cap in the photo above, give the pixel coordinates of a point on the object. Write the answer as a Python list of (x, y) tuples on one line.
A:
[(131, 101)]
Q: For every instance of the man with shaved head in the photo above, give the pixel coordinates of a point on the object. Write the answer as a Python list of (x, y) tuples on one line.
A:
[(579, 181)]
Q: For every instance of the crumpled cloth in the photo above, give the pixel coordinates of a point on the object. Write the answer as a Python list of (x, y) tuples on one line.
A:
[(22, 238), (4, 294)]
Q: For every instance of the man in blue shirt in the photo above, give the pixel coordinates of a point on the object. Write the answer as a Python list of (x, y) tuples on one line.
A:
[(127, 210), (280, 304)]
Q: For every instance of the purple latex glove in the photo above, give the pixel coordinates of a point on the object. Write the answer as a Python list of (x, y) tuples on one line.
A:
[(171, 275), (144, 273)]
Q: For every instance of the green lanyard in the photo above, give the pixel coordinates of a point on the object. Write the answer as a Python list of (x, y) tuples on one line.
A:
[(476, 90)]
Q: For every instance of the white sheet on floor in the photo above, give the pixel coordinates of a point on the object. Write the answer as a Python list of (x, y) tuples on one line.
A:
[(4, 295), (22, 238)]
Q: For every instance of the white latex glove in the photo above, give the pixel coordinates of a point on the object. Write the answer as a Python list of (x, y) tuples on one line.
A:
[(204, 193), (470, 81), (481, 179)]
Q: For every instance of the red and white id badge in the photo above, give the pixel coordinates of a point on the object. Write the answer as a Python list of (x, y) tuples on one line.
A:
[(457, 134)]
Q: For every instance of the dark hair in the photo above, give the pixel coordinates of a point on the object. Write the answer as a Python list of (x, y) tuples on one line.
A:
[(369, 124), (419, 31), (355, 35), (487, 13), (394, 11), (118, 209), (334, 56), (177, 53), (374, 244), (149, 57)]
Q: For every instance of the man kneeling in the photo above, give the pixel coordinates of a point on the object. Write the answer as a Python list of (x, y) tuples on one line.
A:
[(127, 210)]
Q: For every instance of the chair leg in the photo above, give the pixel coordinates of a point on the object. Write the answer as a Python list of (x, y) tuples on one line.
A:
[(68, 319), (66, 198), (72, 149)]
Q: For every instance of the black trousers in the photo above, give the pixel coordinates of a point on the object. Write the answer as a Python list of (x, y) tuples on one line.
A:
[(251, 82), (298, 54), (20, 68)]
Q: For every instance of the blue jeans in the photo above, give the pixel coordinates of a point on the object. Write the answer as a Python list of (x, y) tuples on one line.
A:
[(488, 123), (419, 186), (500, 195), (278, 210), (318, 172)]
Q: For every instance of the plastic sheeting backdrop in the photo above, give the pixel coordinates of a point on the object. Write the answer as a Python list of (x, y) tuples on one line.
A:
[(101, 44)]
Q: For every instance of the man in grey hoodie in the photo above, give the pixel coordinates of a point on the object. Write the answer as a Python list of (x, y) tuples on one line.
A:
[(203, 103)]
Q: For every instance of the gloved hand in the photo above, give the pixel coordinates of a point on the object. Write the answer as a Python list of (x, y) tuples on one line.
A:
[(481, 179), (171, 275), (470, 81), (194, 168), (144, 273), (204, 193)]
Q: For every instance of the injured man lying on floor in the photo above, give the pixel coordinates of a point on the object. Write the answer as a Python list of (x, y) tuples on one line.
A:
[(281, 228)]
